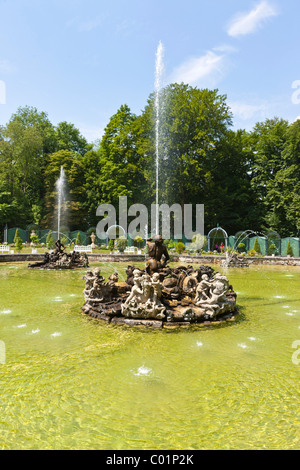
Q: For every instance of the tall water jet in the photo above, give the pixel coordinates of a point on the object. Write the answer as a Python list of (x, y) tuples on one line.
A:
[(159, 68), (61, 198)]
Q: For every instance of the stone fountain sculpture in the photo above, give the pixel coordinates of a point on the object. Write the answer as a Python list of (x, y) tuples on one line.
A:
[(160, 296), (234, 260), (60, 259)]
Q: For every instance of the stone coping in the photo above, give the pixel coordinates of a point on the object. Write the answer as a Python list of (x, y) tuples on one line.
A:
[(135, 258)]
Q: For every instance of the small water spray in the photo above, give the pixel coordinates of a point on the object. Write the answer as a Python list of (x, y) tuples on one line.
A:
[(60, 189)]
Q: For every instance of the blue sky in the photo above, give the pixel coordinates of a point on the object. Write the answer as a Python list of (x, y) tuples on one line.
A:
[(80, 60)]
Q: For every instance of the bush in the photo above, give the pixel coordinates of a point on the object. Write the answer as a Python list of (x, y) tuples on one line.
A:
[(272, 249), (179, 247), (49, 241), (289, 250), (16, 236), (18, 243), (34, 239), (171, 244), (241, 247), (78, 239), (256, 246), (121, 244), (64, 241), (138, 241), (111, 244)]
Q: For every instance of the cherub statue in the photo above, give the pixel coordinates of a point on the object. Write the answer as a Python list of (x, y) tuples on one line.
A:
[(203, 289), (136, 293), (157, 287)]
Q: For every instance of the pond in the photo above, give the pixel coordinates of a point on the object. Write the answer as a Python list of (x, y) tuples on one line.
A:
[(72, 382)]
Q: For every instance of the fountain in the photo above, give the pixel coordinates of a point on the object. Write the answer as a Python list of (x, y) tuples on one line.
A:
[(159, 67), (61, 198), (159, 296), (59, 258), (233, 258)]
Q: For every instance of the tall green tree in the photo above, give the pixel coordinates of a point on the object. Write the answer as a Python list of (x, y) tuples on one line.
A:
[(68, 137), (267, 141), (121, 165), (191, 124)]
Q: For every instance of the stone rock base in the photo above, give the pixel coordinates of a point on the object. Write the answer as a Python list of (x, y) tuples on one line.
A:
[(156, 324)]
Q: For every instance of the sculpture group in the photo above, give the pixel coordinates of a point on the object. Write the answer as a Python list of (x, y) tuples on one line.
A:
[(160, 295), (60, 259)]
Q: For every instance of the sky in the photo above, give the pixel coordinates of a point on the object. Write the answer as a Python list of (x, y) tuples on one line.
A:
[(80, 60)]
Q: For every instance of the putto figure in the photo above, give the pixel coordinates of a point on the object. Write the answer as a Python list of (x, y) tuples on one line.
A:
[(157, 253)]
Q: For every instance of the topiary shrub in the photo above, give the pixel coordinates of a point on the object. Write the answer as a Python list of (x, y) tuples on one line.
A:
[(289, 250), (256, 246), (241, 247), (17, 235), (121, 244), (78, 239), (18, 243), (49, 241)]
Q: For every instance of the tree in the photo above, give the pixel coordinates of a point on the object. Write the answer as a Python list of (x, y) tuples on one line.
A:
[(68, 137), (286, 191), (121, 166), (267, 140), (192, 123)]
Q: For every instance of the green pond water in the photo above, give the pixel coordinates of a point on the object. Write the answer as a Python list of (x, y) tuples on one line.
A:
[(72, 382)]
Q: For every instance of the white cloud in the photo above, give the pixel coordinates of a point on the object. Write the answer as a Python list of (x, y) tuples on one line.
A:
[(246, 23), (208, 68), (247, 111)]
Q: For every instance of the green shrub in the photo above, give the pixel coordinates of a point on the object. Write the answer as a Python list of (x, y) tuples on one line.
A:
[(241, 247), (49, 241), (138, 241), (16, 236), (289, 250), (34, 239), (121, 244), (18, 243), (111, 244), (180, 247), (64, 241), (272, 249), (256, 246), (78, 239)]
